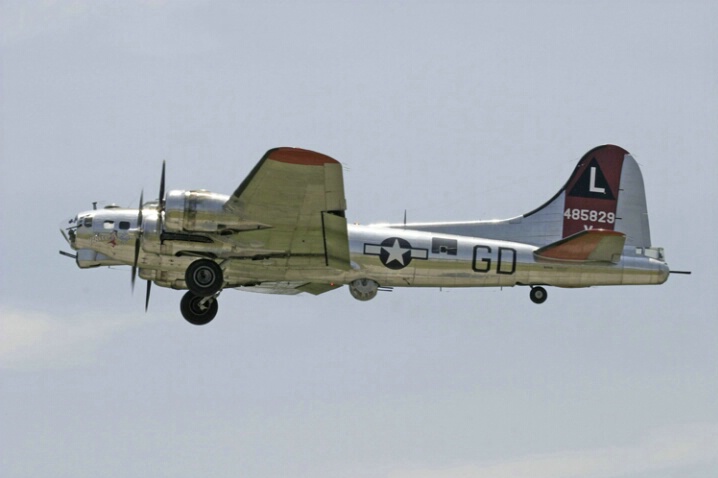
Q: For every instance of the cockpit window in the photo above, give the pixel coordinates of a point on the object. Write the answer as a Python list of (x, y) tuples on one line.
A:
[(124, 225), (87, 222)]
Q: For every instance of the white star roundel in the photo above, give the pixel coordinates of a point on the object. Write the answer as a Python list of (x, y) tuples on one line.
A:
[(395, 252)]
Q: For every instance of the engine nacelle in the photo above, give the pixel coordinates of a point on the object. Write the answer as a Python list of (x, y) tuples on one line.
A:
[(202, 211)]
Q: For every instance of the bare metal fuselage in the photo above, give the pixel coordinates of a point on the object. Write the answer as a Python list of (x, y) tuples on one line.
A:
[(393, 256), (477, 262)]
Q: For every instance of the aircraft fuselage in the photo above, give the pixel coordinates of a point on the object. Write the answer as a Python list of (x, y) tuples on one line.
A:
[(404, 257), (392, 256)]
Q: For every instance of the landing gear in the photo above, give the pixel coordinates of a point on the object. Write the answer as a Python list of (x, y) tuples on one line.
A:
[(204, 278), (538, 295), (363, 289), (198, 310)]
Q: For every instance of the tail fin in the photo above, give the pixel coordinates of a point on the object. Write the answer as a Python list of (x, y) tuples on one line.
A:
[(605, 191)]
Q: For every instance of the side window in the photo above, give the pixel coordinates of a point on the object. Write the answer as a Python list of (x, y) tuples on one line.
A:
[(444, 246), (108, 224), (124, 225), (87, 222)]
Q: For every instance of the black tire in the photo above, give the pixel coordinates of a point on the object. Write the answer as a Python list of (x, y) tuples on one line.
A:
[(194, 312), (538, 295), (204, 278)]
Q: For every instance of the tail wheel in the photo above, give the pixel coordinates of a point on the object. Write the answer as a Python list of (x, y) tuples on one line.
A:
[(198, 310), (538, 295), (204, 278)]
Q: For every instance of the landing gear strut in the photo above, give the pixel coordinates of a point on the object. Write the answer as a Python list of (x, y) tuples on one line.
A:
[(198, 310), (204, 278), (538, 295)]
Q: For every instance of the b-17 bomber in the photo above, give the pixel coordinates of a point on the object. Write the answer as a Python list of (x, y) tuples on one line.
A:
[(284, 231)]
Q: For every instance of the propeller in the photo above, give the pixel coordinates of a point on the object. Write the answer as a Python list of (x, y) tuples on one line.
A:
[(161, 206), (138, 240), (147, 295)]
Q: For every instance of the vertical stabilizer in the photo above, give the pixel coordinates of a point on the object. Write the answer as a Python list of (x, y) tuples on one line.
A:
[(605, 191)]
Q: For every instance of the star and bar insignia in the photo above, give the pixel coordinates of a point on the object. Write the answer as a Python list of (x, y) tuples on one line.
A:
[(395, 252)]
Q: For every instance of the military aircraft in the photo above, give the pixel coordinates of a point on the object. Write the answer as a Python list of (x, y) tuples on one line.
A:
[(284, 231)]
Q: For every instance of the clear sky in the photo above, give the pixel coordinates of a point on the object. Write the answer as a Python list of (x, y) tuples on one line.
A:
[(451, 110)]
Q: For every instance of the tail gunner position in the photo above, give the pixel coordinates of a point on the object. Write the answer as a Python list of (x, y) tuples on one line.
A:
[(284, 231)]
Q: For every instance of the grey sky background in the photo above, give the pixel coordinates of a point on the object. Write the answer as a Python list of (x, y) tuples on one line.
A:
[(451, 110)]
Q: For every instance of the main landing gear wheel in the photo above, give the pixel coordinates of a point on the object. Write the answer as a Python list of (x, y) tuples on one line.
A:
[(204, 278), (538, 295), (198, 310)]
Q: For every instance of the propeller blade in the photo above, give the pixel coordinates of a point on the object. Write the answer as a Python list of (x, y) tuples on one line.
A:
[(137, 241), (162, 202), (139, 214), (162, 188), (134, 265), (147, 295)]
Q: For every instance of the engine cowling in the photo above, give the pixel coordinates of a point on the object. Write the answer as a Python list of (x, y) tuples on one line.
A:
[(201, 211)]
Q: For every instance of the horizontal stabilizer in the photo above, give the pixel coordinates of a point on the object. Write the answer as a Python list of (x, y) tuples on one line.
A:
[(593, 245)]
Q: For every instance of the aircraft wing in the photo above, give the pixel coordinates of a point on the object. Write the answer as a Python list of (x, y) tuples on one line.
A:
[(589, 245), (298, 198)]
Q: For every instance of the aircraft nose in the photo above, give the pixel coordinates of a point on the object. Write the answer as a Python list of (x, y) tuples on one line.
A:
[(68, 227)]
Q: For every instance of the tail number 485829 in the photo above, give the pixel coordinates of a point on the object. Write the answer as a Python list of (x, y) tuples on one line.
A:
[(590, 215)]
